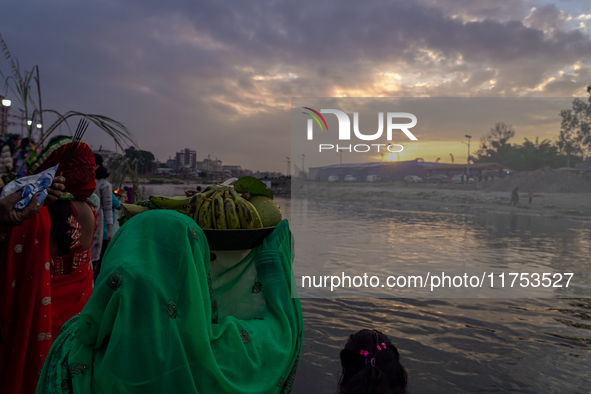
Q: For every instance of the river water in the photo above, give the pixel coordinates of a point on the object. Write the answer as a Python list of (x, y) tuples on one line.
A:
[(448, 345), (463, 345)]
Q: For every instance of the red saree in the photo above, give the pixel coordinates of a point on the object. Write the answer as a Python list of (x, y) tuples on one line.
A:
[(71, 277), (35, 301), (26, 309), (39, 292)]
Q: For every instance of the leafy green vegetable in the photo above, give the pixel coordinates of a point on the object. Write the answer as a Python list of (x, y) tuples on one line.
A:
[(252, 186)]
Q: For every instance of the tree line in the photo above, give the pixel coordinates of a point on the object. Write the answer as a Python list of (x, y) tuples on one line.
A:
[(572, 145)]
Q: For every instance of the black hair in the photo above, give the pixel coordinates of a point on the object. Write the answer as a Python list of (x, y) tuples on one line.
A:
[(370, 368), (24, 143), (101, 172), (98, 158), (60, 211)]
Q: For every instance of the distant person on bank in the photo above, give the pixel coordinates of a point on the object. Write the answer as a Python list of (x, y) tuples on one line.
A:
[(531, 195)]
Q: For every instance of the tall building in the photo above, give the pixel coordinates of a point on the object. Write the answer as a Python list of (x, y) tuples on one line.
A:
[(185, 159)]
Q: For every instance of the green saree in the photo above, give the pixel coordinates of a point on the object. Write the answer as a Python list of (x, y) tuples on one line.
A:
[(156, 324)]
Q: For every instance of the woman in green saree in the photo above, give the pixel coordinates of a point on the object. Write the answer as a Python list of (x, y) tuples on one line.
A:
[(156, 324)]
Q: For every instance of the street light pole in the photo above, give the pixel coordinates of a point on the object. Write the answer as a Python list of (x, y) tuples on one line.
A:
[(37, 79), (288, 166), (303, 167), (468, 159), (6, 103)]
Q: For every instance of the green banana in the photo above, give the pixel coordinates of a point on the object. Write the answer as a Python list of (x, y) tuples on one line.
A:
[(219, 214), (204, 215), (256, 218), (196, 201), (232, 220), (244, 214), (175, 203), (211, 208)]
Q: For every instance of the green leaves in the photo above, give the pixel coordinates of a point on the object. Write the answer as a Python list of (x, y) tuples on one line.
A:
[(252, 186), (114, 129)]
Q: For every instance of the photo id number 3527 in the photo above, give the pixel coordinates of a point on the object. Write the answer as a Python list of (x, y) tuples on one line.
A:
[(524, 279)]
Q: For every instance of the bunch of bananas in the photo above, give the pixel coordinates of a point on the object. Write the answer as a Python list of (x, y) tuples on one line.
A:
[(219, 207), (222, 208)]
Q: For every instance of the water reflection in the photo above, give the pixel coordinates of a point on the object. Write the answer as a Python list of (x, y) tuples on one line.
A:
[(356, 237), (458, 346)]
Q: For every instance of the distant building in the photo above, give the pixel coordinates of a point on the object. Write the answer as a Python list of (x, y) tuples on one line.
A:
[(209, 165), (232, 171), (476, 170), (397, 170), (164, 171), (216, 176), (185, 159), (267, 174), (585, 167), (386, 171), (170, 163)]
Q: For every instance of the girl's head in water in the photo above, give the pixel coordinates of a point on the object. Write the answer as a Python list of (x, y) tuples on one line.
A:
[(371, 365)]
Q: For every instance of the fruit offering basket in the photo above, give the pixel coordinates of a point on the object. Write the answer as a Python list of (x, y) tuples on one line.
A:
[(234, 216), (238, 239)]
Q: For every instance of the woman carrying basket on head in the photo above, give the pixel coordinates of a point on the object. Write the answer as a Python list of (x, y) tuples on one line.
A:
[(156, 323)]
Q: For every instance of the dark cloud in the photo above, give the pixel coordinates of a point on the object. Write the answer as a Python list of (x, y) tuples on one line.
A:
[(546, 17), (217, 76)]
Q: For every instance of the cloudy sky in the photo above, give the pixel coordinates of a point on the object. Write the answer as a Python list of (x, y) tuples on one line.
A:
[(218, 76)]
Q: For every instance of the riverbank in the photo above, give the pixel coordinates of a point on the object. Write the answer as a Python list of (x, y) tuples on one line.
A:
[(449, 198), (467, 199)]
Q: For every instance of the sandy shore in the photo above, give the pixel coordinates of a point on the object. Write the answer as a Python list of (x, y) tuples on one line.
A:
[(451, 198)]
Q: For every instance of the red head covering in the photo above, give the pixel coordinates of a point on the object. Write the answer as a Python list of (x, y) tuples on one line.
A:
[(78, 171)]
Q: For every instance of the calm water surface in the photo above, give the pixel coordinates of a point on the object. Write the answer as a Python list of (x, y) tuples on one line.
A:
[(517, 345), (482, 345)]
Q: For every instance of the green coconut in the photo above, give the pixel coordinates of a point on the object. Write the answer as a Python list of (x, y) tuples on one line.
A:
[(268, 209)]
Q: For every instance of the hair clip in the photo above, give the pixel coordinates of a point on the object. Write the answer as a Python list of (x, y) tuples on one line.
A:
[(364, 353)]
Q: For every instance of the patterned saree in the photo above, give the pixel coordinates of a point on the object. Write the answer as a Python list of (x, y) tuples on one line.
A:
[(71, 274), (157, 322), (39, 292), (25, 307)]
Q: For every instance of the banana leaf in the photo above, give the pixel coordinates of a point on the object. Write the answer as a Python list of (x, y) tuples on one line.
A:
[(253, 186)]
